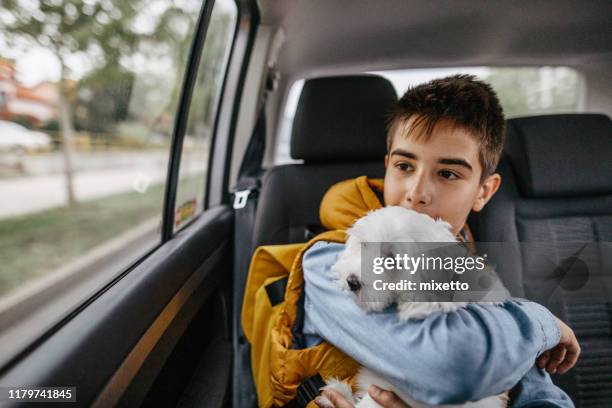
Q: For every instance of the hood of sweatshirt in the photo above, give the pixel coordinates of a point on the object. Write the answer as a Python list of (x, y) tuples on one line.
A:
[(347, 201)]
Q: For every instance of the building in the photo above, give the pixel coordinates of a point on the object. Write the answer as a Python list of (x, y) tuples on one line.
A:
[(37, 104)]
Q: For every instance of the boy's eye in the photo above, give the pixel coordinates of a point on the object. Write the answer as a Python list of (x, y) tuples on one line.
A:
[(403, 166), (447, 174)]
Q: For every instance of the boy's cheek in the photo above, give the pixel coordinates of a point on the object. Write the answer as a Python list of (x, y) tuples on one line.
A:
[(456, 214), (393, 197), (390, 190)]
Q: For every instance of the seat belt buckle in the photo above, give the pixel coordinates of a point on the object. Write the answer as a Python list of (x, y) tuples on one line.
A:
[(240, 199), (309, 390), (244, 190)]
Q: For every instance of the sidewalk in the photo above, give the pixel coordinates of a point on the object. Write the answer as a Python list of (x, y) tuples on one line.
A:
[(29, 194)]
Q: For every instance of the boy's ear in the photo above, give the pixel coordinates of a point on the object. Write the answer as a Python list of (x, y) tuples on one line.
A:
[(486, 191), (386, 160)]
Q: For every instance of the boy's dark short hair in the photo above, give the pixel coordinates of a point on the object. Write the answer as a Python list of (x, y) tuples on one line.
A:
[(461, 99)]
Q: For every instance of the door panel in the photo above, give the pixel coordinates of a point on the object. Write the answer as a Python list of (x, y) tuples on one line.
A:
[(158, 332), (106, 344)]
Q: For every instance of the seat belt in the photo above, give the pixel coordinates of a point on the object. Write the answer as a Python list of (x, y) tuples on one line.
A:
[(245, 195)]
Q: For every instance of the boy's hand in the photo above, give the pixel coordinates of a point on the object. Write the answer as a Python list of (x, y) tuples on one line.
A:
[(564, 355), (384, 398)]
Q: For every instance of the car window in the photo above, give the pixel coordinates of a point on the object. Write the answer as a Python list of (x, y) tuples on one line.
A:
[(202, 112), (523, 91), (94, 86)]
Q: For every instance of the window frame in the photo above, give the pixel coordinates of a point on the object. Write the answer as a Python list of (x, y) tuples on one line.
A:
[(217, 117), (27, 358)]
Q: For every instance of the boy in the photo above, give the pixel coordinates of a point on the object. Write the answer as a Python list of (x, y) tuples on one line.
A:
[(443, 145)]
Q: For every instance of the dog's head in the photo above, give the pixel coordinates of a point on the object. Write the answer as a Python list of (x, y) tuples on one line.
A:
[(398, 224), (389, 224)]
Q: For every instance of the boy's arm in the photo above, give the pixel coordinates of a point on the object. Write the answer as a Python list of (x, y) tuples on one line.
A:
[(447, 358)]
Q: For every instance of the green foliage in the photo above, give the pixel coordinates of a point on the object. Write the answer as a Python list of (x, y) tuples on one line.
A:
[(52, 125), (67, 27), (536, 91), (24, 121), (104, 97), (210, 71), (35, 244), (108, 34)]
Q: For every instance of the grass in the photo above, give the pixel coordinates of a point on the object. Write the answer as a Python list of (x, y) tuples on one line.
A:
[(35, 244)]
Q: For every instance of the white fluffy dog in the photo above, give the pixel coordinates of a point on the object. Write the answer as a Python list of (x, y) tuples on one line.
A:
[(392, 224)]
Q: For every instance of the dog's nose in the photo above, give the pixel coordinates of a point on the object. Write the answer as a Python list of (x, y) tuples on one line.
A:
[(353, 283)]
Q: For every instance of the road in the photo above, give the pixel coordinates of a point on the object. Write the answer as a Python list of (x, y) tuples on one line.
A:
[(29, 194), (97, 175)]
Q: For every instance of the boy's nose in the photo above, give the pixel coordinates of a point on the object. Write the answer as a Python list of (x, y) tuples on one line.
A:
[(418, 200), (418, 194)]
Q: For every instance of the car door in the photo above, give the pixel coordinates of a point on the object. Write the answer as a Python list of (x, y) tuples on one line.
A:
[(130, 303)]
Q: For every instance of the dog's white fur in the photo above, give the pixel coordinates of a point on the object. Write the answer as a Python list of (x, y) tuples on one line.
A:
[(393, 224)]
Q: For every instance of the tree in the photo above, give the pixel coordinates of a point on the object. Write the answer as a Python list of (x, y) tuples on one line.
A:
[(104, 97), (121, 40), (101, 29), (209, 72), (170, 31)]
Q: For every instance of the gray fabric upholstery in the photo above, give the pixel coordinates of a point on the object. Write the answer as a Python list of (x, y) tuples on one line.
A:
[(342, 118), (339, 131), (561, 155), (527, 209), (291, 194)]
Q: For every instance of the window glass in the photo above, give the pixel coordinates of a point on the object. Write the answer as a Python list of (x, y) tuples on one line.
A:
[(204, 104), (89, 92), (523, 91)]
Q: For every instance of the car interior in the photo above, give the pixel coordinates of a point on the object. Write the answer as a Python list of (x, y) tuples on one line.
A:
[(166, 331)]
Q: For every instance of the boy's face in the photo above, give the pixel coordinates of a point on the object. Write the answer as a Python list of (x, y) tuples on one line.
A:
[(439, 177)]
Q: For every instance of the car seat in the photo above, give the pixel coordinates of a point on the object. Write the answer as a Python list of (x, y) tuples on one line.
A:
[(339, 131), (557, 188)]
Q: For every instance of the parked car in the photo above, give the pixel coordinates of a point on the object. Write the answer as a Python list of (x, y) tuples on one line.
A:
[(17, 138)]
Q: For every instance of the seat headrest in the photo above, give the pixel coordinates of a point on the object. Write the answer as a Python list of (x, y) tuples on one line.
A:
[(342, 118), (561, 155)]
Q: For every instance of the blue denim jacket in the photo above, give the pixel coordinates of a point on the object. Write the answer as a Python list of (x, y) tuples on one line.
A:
[(475, 352)]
